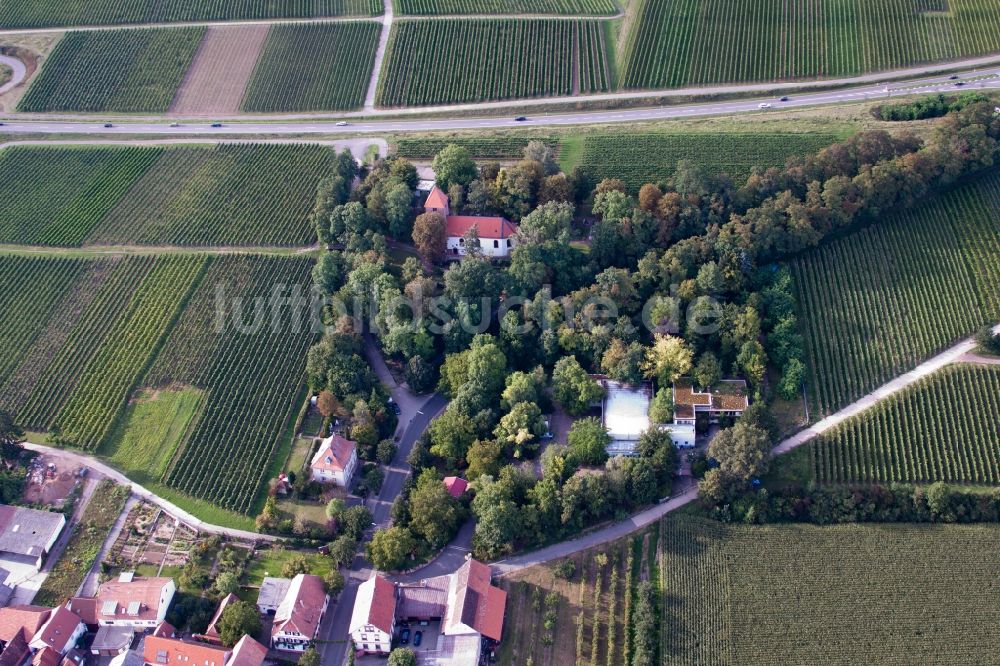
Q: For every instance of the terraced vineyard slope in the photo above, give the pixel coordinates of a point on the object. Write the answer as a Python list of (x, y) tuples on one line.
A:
[(638, 159), (316, 67), (229, 194), (540, 57), (878, 302), (839, 594), (46, 13), (946, 428), (127, 71), (689, 42), (562, 7)]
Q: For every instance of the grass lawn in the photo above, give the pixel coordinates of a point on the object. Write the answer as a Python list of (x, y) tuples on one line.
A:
[(270, 562), (153, 428), (301, 448), (204, 510)]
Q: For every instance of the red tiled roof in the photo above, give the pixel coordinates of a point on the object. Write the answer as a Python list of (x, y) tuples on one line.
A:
[(478, 604), (487, 227), (436, 199), (334, 454), (213, 631), (376, 604), (47, 657), (161, 651), (302, 606), (59, 627), (455, 485), (15, 618), (16, 651), (145, 591), (247, 652), (164, 630), (85, 607)]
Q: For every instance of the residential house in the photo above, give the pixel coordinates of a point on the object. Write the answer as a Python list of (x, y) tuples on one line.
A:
[(60, 633), (128, 601), (297, 619), (24, 621), (374, 617), (27, 535), (496, 234), (335, 461), (212, 632), (456, 486), (728, 398), (163, 648), (247, 652)]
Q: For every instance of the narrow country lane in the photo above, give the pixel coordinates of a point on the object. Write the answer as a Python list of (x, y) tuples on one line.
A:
[(19, 69)]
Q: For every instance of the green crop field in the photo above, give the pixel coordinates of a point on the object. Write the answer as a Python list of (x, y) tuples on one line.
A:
[(425, 66), (876, 303), (638, 159), (318, 67), (47, 13), (946, 428), (128, 71), (562, 7), (230, 194), (140, 359), (250, 371), (507, 147), (769, 595), (686, 42)]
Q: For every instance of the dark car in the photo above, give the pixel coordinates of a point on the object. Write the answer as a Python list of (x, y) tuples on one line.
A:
[(953, 77), (783, 99), (519, 119), (108, 125), (216, 124), (959, 83), (404, 637), (395, 408), (417, 637)]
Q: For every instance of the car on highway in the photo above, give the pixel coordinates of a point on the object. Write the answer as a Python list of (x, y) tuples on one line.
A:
[(519, 119), (959, 83), (175, 124), (108, 125), (418, 638), (404, 637), (764, 105), (343, 123), (953, 77), (1, 124), (216, 124), (783, 99)]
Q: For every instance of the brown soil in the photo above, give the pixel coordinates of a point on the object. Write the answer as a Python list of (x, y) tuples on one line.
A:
[(218, 77)]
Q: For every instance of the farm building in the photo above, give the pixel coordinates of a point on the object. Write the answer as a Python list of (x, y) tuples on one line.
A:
[(335, 461), (27, 535), (297, 619), (467, 605), (727, 398), (496, 234)]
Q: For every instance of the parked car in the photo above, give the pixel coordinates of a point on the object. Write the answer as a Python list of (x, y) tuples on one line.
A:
[(395, 409), (404, 637), (417, 638)]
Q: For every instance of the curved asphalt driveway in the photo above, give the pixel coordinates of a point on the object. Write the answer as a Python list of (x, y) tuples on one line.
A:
[(20, 71)]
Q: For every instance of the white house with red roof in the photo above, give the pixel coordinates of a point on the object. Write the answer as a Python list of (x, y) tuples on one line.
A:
[(374, 617), (128, 601), (61, 631), (496, 234), (335, 461), (297, 620), (456, 485)]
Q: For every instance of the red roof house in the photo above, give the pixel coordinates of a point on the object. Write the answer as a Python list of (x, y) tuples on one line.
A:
[(296, 622), (474, 604), (247, 652), (456, 486), (374, 616), (163, 651), (335, 461), (15, 619), (496, 234)]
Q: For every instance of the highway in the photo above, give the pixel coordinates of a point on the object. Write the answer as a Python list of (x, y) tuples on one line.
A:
[(943, 83)]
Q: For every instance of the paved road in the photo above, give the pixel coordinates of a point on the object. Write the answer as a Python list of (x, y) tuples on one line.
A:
[(979, 73), (106, 470), (20, 71), (954, 354)]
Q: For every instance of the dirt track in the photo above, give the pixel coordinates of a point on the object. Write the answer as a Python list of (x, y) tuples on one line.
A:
[(218, 77)]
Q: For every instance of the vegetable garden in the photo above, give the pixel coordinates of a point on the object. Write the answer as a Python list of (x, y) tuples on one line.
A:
[(563, 7), (685, 42), (878, 302), (243, 195), (887, 594), (314, 67), (944, 428), (46, 13), (128, 71), (638, 159), (444, 62)]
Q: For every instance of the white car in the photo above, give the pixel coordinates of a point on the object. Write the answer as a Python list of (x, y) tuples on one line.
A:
[(764, 105), (343, 123)]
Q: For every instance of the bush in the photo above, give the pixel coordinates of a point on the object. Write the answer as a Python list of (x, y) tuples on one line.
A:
[(566, 569)]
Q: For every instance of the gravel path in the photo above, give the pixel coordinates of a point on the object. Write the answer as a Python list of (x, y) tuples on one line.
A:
[(383, 42), (20, 71)]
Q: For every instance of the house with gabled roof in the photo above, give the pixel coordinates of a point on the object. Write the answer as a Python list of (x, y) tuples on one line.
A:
[(496, 234), (297, 619), (127, 601), (163, 648), (374, 617), (335, 461), (27, 535), (212, 632), (61, 632)]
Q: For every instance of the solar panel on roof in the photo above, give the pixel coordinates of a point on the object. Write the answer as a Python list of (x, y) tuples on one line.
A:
[(133, 607), (109, 607)]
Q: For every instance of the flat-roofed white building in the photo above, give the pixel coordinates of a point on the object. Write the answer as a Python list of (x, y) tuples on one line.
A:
[(625, 414)]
